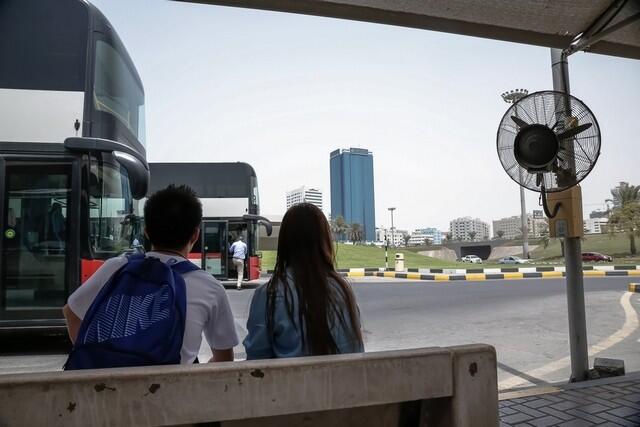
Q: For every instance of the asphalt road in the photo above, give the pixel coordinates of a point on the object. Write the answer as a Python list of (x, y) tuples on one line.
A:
[(526, 320)]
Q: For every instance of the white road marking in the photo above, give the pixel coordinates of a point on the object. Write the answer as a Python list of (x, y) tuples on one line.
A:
[(631, 323)]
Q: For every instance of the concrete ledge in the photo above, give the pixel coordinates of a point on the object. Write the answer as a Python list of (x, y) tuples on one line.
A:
[(253, 390)]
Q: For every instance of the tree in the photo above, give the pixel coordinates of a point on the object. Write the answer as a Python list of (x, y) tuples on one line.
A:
[(355, 232), (472, 235), (406, 239), (625, 216), (448, 237), (338, 227), (500, 233), (427, 241)]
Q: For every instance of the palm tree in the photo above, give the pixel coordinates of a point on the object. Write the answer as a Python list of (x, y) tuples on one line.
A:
[(500, 233), (472, 235), (625, 216), (355, 232), (341, 227)]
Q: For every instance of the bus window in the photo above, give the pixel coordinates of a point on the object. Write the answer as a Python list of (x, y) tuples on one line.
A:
[(112, 225), (116, 92)]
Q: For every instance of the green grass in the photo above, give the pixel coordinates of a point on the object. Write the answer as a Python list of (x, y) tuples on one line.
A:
[(616, 246), (354, 256)]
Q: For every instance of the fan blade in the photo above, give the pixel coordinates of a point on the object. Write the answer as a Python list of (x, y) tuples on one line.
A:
[(570, 133), (521, 123)]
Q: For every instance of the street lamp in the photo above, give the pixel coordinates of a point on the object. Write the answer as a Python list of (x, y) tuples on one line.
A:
[(393, 235), (511, 97)]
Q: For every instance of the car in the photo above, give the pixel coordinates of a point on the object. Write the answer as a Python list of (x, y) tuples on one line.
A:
[(473, 259), (595, 257), (512, 260)]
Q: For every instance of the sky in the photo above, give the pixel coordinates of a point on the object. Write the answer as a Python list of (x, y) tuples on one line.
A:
[(281, 91)]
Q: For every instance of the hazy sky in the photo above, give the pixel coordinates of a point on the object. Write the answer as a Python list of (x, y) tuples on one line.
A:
[(281, 91)]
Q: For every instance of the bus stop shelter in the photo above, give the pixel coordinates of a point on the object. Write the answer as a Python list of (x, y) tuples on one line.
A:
[(608, 27)]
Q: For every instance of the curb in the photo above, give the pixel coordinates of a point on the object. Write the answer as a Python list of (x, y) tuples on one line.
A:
[(595, 269), (488, 276), (634, 287)]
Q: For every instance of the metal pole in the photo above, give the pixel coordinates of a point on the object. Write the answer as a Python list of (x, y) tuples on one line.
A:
[(523, 222), (573, 258), (393, 235), (386, 253), (513, 97)]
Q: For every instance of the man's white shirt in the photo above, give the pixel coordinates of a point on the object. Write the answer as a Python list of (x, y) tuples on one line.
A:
[(208, 309)]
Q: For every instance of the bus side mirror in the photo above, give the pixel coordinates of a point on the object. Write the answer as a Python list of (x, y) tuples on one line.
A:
[(260, 220), (138, 175), (133, 161)]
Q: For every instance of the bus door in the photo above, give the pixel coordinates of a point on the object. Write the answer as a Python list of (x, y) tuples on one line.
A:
[(38, 256), (215, 250)]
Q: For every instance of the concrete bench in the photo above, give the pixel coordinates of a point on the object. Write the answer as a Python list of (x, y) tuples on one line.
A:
[(453, 386)]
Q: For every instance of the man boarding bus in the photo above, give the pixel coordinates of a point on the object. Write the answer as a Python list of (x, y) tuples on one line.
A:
[(238, 251)]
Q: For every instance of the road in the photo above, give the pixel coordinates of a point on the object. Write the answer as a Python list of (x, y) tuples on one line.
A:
[(526, 320)]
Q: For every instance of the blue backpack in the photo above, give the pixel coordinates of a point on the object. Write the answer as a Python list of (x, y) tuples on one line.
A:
[(137, 318)]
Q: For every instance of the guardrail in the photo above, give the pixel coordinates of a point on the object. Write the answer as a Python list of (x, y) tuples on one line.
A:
[(454, 386)]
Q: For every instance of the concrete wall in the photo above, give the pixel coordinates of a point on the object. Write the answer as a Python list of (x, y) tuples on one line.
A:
[(435, 386)]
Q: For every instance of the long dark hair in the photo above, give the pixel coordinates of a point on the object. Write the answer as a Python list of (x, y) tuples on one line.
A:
[(305, 249)]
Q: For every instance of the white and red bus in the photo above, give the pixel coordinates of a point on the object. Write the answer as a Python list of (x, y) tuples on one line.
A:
[(72, 154), (230, 202)]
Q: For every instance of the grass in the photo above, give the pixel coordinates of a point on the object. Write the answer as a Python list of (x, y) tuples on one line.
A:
[(616, 246), (354, 256)]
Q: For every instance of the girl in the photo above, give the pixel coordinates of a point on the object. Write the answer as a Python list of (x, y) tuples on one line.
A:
[(307, 308)]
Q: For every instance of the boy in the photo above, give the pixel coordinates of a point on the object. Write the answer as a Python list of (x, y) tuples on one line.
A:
[(172, 225)]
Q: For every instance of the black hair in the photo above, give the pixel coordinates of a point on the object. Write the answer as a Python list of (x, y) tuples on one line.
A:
[(171, 216), (305, 249)]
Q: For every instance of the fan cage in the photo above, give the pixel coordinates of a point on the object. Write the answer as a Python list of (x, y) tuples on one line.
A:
[(558, 111)]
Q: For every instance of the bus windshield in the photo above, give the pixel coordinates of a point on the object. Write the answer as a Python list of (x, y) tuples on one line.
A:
[(116, 91), (113, 222)]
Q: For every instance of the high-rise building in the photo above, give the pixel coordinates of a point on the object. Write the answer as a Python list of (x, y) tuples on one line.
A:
[(304, 195), (352, 195), (461, 227)]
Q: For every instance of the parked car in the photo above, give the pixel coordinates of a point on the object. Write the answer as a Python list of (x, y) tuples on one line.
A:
[(595, 257), (512, 260), (473, 259)]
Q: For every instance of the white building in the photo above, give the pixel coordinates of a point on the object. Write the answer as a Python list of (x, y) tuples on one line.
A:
[(432, 233), (397, 239), (461, 227), (511, 226), (418, 237), (595, 225), (304, 195)]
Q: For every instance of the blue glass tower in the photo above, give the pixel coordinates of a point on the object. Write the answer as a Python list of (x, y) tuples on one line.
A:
[(352, 195)]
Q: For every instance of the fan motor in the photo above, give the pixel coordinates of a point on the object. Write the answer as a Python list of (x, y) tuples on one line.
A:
[(536, 147)]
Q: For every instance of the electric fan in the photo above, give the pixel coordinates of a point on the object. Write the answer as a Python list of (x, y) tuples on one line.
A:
[(548, 141)]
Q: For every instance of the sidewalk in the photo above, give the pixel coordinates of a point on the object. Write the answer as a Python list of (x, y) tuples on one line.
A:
[(606, 402)]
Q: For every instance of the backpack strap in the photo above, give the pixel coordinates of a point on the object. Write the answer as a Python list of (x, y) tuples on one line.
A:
[(184, 267)]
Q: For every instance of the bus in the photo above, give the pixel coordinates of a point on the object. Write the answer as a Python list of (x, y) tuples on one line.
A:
[(230, 203), (72, 154)]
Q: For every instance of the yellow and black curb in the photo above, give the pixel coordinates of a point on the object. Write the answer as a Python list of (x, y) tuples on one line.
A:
[(634, 287), (479, 276), (505, 273)]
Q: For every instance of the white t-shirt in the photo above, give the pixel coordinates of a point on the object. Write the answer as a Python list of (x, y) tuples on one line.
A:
[(208, 309)]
